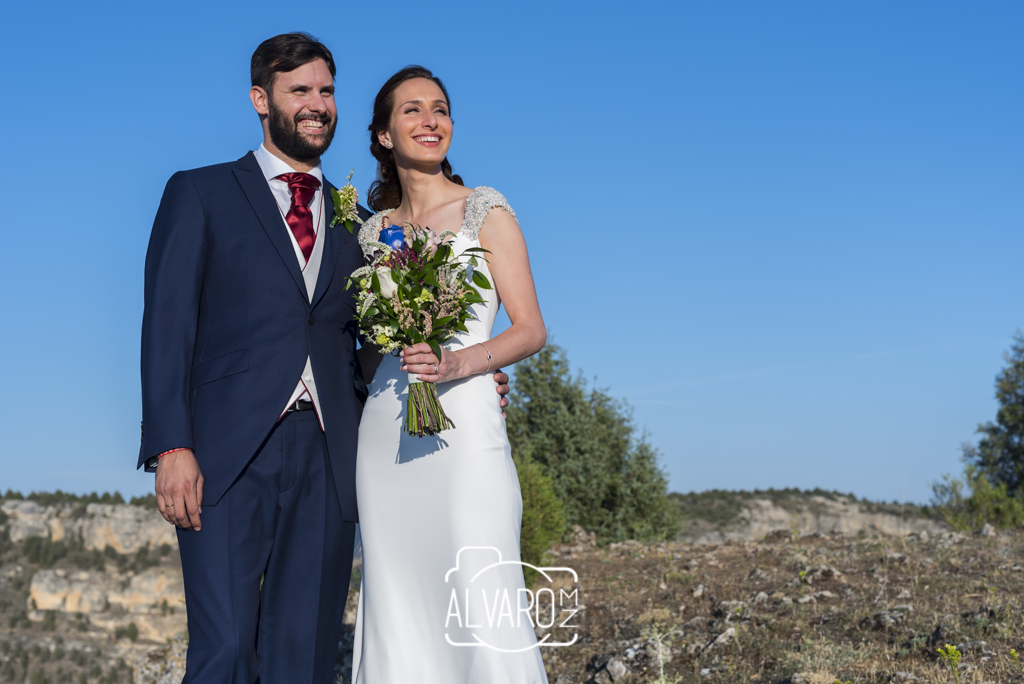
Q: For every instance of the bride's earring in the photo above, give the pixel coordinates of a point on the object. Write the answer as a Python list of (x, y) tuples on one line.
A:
[(388, 144)]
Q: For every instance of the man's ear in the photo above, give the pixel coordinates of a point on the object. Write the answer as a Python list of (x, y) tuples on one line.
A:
[(259, 100)]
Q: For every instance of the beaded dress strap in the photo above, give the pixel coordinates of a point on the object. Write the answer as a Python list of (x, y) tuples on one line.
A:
[(478, 204), (370, 230)]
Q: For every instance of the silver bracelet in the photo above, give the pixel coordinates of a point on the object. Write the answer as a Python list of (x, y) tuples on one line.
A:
[(488, 355)]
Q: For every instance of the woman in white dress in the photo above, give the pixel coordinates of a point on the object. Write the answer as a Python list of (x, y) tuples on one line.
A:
[(442, 598)]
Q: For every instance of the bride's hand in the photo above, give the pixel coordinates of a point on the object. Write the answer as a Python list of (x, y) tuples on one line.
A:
[(422, 361)]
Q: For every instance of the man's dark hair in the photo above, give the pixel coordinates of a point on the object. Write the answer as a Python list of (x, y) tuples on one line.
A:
[(286, 52)]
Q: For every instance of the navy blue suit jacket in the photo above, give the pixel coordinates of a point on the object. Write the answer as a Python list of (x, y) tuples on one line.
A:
[(228, 326)]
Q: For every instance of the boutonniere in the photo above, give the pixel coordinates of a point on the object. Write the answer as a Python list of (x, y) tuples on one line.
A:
[(346, 202)]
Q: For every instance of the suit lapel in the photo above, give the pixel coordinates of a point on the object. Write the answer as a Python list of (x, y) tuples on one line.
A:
[(257, 191), (332, 243)]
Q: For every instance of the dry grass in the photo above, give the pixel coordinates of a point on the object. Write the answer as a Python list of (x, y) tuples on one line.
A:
[(893, 602)]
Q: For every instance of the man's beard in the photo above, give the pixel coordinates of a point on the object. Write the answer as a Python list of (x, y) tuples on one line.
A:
[(287, 137)]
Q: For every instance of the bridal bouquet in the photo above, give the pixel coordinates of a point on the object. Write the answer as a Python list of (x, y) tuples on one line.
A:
[(416, 289)]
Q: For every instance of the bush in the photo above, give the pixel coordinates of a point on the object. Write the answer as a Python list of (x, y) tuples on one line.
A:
[(606, 477), (131, 632), (985, 504), (999, 454), (43, 551), (543, 515)]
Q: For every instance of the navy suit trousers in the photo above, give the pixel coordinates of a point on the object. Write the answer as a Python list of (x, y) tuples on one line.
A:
[(267, 576)]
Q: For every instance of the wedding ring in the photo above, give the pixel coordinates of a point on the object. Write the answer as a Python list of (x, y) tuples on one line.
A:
[(435, 369)]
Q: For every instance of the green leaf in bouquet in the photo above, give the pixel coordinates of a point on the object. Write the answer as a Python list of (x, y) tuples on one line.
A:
[(436, 348), (441, 322), (461, 327), (477, 249), (480, 280)]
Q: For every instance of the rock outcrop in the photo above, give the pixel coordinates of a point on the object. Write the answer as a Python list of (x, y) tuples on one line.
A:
[(814, 514), (155, 590), (125, 528)]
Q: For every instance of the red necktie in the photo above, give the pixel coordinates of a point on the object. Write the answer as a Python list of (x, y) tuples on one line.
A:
[(300, 219)]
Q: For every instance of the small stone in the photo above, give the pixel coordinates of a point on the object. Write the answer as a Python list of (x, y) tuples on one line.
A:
[(699, 591), (761, 597), (724, 639), (939, 637), (616, 669), (886, 619), (894, 557), (904, 677), (987, 530), (806, 599)]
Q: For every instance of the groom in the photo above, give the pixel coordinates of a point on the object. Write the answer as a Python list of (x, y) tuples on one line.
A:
[(251, 390)]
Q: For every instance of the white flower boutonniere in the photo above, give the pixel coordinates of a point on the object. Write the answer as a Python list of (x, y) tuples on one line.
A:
[(346, 200)]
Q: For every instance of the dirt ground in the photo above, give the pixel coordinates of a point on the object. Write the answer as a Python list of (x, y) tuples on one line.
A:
[(817, 609)]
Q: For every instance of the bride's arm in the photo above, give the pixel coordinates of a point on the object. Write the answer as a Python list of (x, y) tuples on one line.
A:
[(509, 264)]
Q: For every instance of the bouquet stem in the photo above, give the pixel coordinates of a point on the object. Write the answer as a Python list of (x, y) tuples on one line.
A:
[(423, 413)]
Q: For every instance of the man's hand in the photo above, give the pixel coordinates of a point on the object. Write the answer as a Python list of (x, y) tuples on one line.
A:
[(179, 489), (503, 389)]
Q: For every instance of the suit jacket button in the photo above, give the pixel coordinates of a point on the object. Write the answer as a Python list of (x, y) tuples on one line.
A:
[(311, 320)]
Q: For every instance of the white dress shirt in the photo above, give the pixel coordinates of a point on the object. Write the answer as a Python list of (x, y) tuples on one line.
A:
[(274, 166)]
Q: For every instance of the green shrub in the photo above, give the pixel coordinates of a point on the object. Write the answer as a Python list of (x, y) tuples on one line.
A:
[(543, 515), (43, 551), (131, 631), (606, 476), (984, 504)]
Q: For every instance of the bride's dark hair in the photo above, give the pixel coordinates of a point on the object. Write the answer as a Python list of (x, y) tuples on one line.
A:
[(386, 191)]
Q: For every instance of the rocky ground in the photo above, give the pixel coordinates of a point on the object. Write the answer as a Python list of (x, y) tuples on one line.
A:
[(93, 594), (817, 608)]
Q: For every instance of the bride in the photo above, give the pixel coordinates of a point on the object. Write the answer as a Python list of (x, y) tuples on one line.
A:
[(440, 516)]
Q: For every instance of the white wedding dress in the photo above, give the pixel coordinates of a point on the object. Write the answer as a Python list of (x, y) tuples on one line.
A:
[(442, 597)]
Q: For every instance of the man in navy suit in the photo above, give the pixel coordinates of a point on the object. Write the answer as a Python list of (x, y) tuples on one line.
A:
[(251, 386)]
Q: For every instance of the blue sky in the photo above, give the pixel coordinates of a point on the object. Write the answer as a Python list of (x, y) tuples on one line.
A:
[(790, 234)]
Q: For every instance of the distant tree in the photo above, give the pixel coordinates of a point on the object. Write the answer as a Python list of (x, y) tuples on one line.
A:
[(999, 455), (606, 477)]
